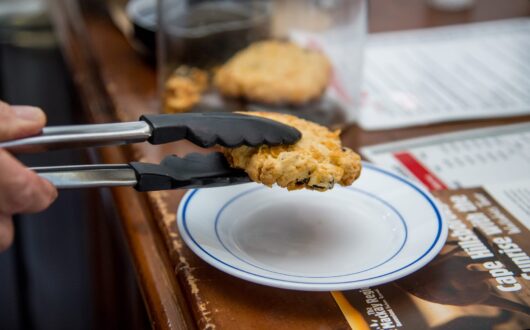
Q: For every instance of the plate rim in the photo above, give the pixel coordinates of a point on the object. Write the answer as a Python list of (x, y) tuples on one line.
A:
[(429, 254)]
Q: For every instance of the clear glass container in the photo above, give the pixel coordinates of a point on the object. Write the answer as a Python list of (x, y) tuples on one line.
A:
[(302, 57)]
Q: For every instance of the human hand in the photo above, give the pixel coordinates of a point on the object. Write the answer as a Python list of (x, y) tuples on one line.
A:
[(21, 190)]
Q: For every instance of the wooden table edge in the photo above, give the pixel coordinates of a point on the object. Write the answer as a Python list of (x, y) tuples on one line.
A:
[(168, 309)]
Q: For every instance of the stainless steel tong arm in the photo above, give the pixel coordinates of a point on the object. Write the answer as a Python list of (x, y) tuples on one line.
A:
[(203, 129), (62, 137), (192, 171), (88, 176)]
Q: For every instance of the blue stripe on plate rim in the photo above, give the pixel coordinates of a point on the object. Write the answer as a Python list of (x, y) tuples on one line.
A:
[(249, 191), (436, 240)]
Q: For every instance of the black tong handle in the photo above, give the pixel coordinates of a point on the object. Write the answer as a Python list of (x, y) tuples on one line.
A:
[(194, 170), (226, 129)]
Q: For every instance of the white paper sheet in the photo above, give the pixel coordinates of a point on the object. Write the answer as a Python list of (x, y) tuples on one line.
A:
[(460, 160), (514, 197), (479, 70)]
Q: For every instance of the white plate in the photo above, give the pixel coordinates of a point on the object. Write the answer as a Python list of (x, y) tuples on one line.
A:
[(380, 229)]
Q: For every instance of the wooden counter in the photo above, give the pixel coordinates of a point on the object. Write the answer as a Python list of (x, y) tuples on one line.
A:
[(179, 289)]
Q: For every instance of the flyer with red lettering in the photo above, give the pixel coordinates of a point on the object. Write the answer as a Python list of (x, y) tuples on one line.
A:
[(459, 160), (481, 278)]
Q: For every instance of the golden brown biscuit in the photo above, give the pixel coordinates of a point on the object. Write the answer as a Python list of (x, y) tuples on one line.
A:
[(317, 161), (184, 88), (275, 72)]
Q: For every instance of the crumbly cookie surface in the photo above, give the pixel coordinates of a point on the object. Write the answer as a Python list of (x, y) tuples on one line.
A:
[(275, 72), (184, 88), (317, 161)]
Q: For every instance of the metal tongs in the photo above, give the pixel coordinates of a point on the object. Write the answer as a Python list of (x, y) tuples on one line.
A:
[(194, 170)]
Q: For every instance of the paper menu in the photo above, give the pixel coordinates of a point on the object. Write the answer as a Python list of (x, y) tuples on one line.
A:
[(478, 70), (513, 196), (460, 160)]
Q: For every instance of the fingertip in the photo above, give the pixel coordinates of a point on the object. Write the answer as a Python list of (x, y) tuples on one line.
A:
[(6, 232), (42, 194), (52, 191), (29, 113), (20, 121), (48, 191)]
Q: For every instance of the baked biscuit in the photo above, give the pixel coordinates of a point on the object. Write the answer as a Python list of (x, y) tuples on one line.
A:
[(317, 161), (184, 89), (275, 72)]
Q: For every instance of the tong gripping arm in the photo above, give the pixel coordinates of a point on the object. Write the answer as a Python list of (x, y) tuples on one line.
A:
[(193, 171)]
